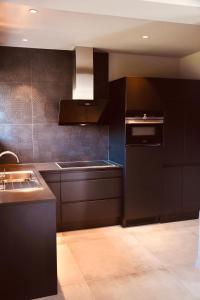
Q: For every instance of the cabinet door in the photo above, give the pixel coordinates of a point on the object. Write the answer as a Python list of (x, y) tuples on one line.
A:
[(192, 130), (191, 188), (173, 131), (143, 182), (75, 191), (143, 94), (90, 212), (172, 190)]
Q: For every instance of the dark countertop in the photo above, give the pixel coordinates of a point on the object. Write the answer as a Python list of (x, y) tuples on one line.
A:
[(52, 166), (44, 194), (18, 197)]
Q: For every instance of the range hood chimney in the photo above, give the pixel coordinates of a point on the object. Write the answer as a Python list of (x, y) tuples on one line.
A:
[(83, 109), (83, 77)]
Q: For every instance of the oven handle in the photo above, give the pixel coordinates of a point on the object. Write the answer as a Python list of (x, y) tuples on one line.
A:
[(144, 145)]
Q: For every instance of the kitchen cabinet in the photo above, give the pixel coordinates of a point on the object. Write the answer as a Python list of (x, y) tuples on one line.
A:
[(191, 188), (86, 198), (143, 184), (93, 189), (192, 131), (28, 250), (53, 181), (173, 133), (178, 99), (143, 94), (90, 198), (172, 190), (86, 214)]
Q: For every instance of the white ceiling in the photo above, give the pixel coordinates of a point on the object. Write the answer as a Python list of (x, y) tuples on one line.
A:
[(172, 25)]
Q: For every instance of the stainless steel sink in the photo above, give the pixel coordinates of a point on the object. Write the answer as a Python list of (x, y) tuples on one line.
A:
[(19, 180)]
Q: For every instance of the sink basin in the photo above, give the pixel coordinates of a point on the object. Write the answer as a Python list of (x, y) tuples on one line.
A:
[(19, 180)]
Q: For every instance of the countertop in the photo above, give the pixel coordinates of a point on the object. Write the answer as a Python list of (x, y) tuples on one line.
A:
[(44, 194), (18, 197), (52, 166)]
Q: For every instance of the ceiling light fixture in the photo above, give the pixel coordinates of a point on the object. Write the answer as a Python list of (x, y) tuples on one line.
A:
[(24, 40), (145, 37), (33, 11)]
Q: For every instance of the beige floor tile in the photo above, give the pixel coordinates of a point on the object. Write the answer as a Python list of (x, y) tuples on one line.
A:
[(144, 228), (111, 257), (60, 240), (154, 285), (68, 270), (57, 297), (94, 233), (172, 247), (77, 292), (182, 224), (189, 276), (59, 234)]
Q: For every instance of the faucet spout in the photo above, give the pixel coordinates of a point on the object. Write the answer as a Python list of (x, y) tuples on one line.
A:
[(11, 153)]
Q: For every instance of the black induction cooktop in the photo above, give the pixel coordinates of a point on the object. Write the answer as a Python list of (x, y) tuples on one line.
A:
[(86, 164)]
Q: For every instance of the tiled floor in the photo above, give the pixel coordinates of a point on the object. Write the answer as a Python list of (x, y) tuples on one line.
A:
[(153, 262)]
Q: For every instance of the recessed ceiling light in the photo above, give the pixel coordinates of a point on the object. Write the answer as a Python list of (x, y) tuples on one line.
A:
[(24, 40), (33, 11), (145, 37)]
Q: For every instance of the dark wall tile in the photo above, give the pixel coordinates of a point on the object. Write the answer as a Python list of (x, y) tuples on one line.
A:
[(52, 65), (15, 65), (67, 143), (46, 97), (32, 81), (15, 103), (17, 138)]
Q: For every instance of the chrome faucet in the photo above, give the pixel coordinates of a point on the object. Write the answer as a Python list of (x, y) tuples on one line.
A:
[(11, 153)]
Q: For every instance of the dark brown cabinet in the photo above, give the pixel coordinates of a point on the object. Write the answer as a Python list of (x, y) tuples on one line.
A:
[(191, 188), (93, 189), (173, 150), (143, 183), (86, 198), (192, 131), (172, 191), (53, 181), (179, 169), (143, 94), (28, 250), (91, 213), (90, 198)]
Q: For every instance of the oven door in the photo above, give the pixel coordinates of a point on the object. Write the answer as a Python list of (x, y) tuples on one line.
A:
[(144, 134)]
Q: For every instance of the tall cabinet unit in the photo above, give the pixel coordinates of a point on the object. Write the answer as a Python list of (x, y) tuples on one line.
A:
[(142, 164), (160, 183)]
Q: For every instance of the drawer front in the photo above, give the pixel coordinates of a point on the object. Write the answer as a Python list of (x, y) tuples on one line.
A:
[(90, 211), (74, 191), (84, 175), (51, 176)]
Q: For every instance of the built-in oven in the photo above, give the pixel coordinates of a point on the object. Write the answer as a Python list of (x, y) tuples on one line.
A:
[(144, 129)]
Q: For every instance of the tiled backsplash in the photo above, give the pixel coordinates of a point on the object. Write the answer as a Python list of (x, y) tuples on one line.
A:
[(32, 81)]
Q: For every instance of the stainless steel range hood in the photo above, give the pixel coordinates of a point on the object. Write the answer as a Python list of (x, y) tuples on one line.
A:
[(82, 108), (83, 79)]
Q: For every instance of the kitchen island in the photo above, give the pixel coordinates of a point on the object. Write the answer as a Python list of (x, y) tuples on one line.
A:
[(28, 240)]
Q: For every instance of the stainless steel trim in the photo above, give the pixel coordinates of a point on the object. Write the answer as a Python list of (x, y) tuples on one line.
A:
[(83, 79), (85, 167), (147, 120)]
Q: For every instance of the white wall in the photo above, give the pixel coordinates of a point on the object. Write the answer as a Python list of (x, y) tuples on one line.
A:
[(121, 65), (190, 66)]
